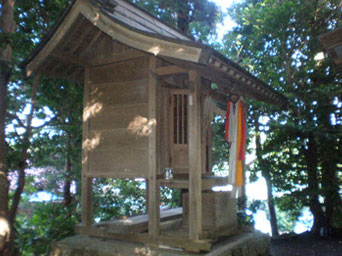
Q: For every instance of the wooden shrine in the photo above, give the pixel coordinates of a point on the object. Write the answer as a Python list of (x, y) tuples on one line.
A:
[(149, 92), (332, 43)]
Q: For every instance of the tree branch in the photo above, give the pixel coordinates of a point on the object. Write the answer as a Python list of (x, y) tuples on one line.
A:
[(23, 158), (290, 78), (16, 117)]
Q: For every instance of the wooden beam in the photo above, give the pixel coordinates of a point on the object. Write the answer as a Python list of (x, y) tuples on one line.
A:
[(86, 181), (79, 22), (93, 40), (195, 161), (86, 31), (116, 174), (153, 187), (113, 59), (222, 78), (169, 70), (69, 58), (57, 37), (207, 183)]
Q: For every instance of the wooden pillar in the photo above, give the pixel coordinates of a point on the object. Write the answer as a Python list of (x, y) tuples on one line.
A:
[(153, 187), (87, 202), (195, 161)]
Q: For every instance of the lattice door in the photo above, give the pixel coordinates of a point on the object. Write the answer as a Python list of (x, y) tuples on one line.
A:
[(178, 120)]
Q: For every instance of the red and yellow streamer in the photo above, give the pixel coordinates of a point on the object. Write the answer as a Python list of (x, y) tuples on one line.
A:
[(240, 139)]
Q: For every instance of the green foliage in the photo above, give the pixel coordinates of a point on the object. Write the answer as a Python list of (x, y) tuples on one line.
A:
[(170, 197), (220, 145), (115, 198), (278, 42), (46, 223), (286, 220), (118, 197)]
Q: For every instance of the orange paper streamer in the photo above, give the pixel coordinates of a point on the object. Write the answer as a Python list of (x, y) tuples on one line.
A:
[(239, 171)]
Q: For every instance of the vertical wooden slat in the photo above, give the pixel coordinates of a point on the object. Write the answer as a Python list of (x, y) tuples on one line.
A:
[(180, 119), (186, 119), (210, 149), (177, 118), (153, 187), (195, 161), (171, 129), (159, 127), (164, 135), (183, 121), (87, 202)]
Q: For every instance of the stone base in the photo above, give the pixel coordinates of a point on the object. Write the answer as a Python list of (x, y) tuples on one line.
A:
[(218, 210), (245, 244)]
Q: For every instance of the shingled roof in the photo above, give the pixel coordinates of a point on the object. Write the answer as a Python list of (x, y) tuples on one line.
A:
[(66, 50)]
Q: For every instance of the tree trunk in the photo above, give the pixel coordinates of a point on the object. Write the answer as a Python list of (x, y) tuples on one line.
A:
[(270, 203), (183, 18), (329, 159), (311, 156), (267, 175), (67, 182), (7, 25), (4, 224)]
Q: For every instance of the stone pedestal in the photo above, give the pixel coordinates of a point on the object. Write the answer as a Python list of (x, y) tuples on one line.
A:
[(244, 244), (218, 210)]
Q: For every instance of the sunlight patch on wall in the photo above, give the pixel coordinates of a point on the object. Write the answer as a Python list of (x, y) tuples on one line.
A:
[(141, 126), (91, 110), (92, 143), (155, 50)]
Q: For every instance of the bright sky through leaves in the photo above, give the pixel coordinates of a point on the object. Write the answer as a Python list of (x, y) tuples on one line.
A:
[(228, 24)]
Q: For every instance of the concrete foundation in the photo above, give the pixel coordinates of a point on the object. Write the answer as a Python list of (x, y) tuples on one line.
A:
[(245, 244)]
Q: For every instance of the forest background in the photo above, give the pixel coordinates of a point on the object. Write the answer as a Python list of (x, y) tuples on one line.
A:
[(298, 149)]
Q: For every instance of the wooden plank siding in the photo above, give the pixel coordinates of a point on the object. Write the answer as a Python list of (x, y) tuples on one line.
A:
[(117, 144), (128, 70)]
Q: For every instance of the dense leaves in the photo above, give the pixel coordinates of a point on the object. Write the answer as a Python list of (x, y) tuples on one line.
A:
[(278, 41)]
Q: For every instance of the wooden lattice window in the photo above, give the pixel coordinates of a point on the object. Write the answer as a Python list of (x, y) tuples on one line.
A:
[(179, 102)]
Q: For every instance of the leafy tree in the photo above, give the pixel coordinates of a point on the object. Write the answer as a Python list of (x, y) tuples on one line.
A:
[(196, 18), (16, 42), (278, 41), (7, 27), (48, 222)]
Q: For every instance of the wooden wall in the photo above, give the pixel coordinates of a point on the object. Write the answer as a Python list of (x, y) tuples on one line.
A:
[(117, 126), (116, 113)]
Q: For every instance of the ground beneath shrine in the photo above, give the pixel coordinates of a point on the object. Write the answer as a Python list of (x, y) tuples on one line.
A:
[(306, 245)]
